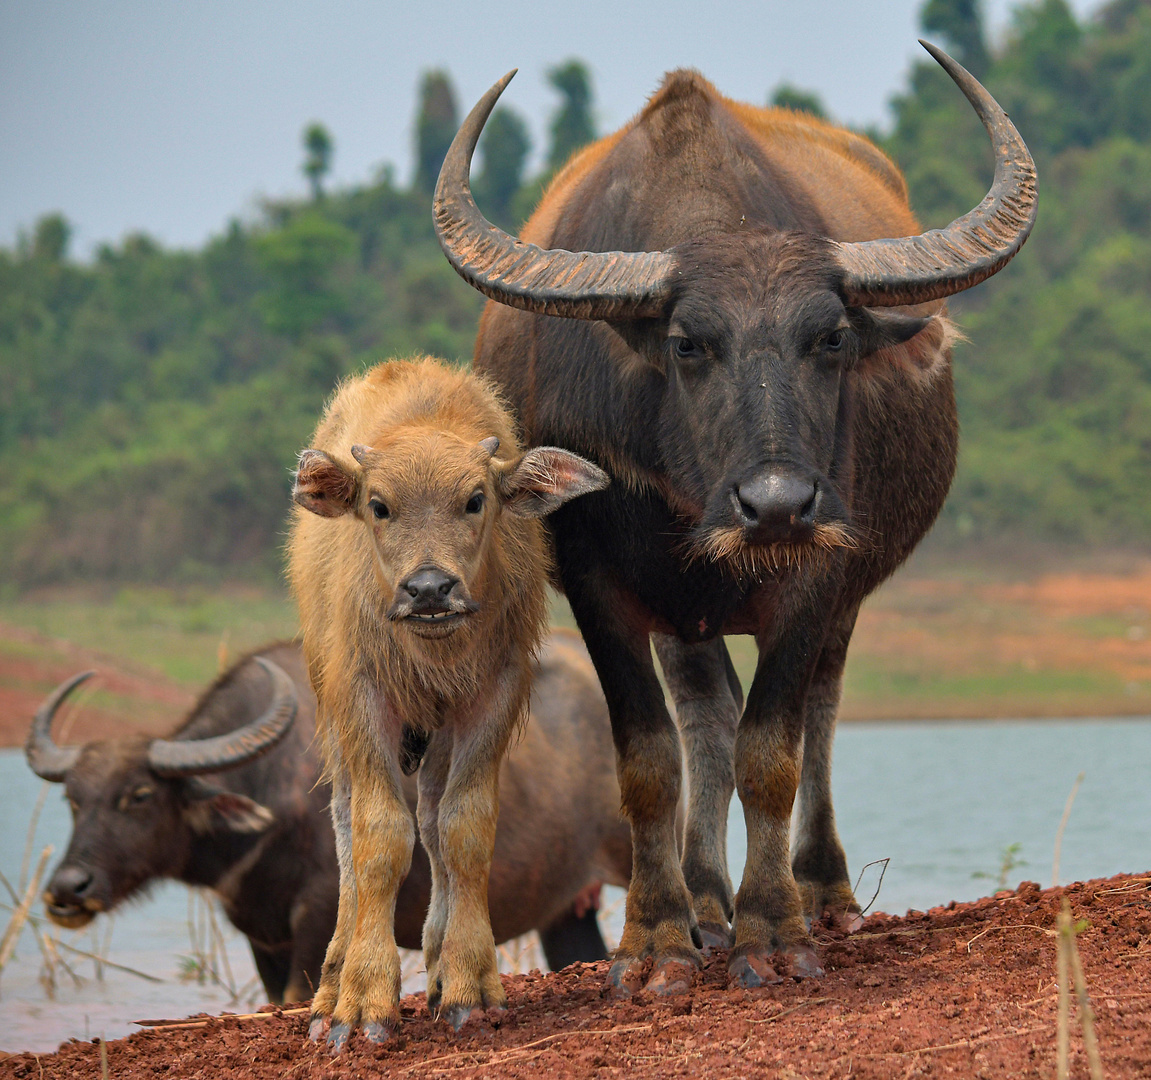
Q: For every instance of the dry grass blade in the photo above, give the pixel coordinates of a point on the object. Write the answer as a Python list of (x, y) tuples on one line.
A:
[(173, 1025), (504, 1056), (1059, 831), (1012, 926), (108, 963), (1063, 1021), (104, 1060), (1086, 1015), (16, 923)]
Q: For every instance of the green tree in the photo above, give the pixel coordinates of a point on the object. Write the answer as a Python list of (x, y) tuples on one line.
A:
[(436, 122), (571, 124), (318, 157), (787, 96), (960, 22), (505, 149), (50, 242)]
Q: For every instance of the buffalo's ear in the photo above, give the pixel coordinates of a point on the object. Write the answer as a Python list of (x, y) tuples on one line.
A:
[(208, 808), (877, 330), (323, 485), (648, 337), (544, 479)]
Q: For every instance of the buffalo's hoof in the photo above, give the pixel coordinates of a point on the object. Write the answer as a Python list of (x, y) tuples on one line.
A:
[(625, 978), (317, 1026), (801, 962), (458, 1015), (671, 977), (338, 1037), (849, 922), (380, 1031), (752, 970), (714, 936)]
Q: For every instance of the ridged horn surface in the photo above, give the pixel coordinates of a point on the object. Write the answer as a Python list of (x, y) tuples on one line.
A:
[(45, 758), (189, 757), (939, 263), (574, 284)]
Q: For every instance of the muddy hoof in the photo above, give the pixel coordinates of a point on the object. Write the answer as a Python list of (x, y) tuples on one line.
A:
[(848, 922), (751, 971), (625, 977), (801, 962), (338, 1037), (317, 1026), (671, 977), (458, 1015), (380, 1031), (714, 936)]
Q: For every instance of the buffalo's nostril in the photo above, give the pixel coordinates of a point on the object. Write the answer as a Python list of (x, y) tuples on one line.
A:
[(70, 884), (777, 501), (429, 585)]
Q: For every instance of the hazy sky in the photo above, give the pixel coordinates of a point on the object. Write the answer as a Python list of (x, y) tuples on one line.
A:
[(172, 117)]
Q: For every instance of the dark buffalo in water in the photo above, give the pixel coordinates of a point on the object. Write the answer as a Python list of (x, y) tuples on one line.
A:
[(735, 313), (234, 801)]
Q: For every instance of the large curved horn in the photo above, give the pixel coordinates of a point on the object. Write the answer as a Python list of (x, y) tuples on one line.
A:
[(180, 757), (579, 285), (45, 758), (935, 264)]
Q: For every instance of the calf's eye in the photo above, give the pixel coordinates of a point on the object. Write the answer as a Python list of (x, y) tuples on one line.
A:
[(475, 503), (834, 341), (378, 509)]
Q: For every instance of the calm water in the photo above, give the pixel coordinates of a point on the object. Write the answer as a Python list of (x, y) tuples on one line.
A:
[(941, 800)]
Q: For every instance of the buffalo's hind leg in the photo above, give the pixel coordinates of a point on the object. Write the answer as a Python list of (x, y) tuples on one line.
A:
[(704, 687), (819, 862), (659, 921)]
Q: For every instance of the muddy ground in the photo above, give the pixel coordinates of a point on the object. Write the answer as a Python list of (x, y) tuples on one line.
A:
[(965, 990)]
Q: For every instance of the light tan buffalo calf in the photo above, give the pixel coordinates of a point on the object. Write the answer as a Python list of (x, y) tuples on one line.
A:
[(419, 566)]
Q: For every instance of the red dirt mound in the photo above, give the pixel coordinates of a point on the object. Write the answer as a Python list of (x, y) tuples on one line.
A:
[(966, 990)]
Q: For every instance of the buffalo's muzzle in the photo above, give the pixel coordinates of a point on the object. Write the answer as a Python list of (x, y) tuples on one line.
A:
[(777, 507)]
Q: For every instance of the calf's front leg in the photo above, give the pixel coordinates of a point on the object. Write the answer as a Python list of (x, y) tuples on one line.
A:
[(466, 973)]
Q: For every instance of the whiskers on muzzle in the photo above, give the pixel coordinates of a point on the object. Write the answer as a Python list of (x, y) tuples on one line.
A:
[(728, 547)]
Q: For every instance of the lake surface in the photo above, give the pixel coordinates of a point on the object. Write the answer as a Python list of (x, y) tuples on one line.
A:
[(942, 801)]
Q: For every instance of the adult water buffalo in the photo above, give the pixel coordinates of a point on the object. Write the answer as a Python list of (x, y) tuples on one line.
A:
[(734, 312), (260, 834)]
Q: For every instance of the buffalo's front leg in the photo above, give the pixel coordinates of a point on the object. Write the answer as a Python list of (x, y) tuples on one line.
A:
[(768, 910), (659, 921), (819, 862), (433, 778), (466, 974), (703, 685)]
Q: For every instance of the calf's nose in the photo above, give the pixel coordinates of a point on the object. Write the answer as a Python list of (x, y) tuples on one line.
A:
[(429, 586), (777, 505), (70, 884)]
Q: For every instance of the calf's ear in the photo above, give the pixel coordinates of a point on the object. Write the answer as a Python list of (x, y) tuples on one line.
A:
[(208, 808), (323, 485), (545, 478)]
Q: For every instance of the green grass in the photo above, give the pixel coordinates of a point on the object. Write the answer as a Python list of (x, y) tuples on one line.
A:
[(177, 632)]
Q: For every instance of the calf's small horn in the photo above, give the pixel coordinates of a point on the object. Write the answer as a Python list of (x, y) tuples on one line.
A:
[(189, 757), (45, 758)]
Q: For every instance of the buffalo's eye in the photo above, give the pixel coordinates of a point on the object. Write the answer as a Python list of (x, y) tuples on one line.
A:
[(835, 341), (475, 503), (685, 348), (378, 509), (140, 796)]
